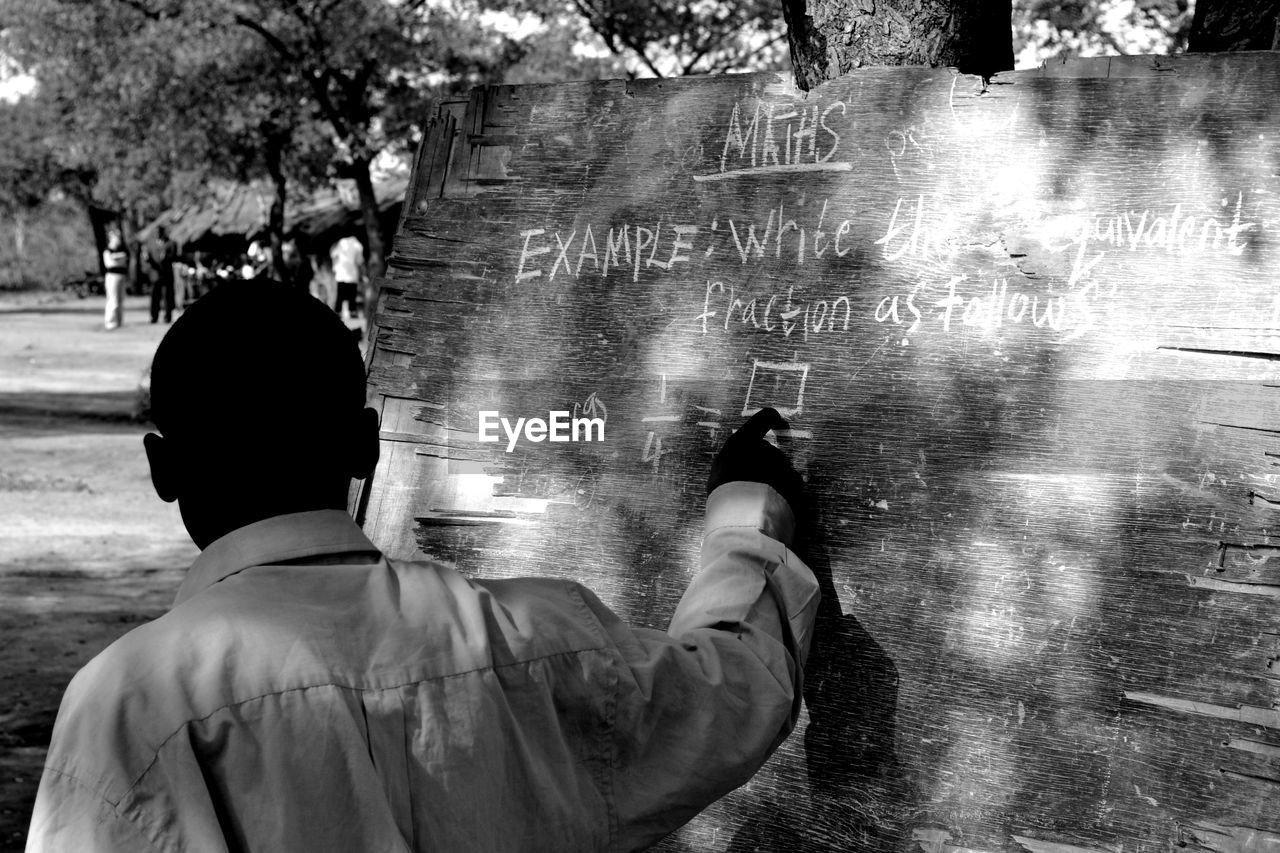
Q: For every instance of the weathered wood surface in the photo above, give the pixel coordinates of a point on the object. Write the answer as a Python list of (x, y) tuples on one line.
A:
[(1028, 338)]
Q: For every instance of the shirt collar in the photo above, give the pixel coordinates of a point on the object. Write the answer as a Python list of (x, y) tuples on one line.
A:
[(274, 540)]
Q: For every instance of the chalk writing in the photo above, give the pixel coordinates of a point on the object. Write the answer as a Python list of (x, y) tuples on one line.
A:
[(653, 449), (527, 254), (934, 133), (897, 307), (918, 231), (779, 384), (921, 140), (923, 231), (628, 247), (1173, 231), (946, 307), (990, 311), (764, 170), (802, 238), (592, 407), (743, 308), (711, 426), (780, 138), (783, 233)]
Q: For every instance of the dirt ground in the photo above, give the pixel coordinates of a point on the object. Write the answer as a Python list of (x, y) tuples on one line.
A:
[(87, 551)]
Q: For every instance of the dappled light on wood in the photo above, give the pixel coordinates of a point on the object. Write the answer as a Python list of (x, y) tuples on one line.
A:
[(1025, 335)]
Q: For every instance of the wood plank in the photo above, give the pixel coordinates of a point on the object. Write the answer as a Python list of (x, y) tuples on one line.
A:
[(1028, 337)]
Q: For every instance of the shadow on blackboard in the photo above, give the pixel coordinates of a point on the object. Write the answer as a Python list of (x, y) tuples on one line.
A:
[(857, 790)]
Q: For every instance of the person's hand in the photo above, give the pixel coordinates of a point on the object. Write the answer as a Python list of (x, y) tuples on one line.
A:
[(746, 456)]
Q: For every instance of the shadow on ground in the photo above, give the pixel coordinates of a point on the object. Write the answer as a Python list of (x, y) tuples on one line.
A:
[(87, 405)]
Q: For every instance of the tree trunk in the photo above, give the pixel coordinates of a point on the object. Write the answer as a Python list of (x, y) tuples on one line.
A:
[(131, 222), (832, 37), (277, 141), (375, 260), (20, 234), (100, 219), (1234, 25)]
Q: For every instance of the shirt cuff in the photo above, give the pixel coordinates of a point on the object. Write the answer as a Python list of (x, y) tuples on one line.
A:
[(754, 505)]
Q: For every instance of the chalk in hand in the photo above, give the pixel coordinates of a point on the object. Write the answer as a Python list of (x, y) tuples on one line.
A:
[(761, 422)]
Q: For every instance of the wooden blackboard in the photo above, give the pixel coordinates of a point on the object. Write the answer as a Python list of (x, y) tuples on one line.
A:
[(1027, 339)]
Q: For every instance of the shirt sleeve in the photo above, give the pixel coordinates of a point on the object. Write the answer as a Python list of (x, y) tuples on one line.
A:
[(703, 705), (71, 817)]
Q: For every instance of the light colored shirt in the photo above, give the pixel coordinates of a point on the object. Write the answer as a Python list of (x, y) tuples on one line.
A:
[(347, 256), (116, 261), (307, 694)]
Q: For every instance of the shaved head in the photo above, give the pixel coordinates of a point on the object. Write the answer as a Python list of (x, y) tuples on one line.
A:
[(258, 391), (255, 350)]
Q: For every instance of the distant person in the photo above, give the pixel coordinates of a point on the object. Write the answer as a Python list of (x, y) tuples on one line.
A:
[(259, 261), (296, 266), (160, 256), (306, 693), (348, 273), (322, 284), (202, 275), (115, 262)]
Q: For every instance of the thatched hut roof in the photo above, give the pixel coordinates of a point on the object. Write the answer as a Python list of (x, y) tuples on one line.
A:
[(242, 212)]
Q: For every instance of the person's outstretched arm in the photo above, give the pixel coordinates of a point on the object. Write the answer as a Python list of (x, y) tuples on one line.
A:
[(702, 706)]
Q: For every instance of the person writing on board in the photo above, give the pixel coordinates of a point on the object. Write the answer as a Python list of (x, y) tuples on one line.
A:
[(305, 693)]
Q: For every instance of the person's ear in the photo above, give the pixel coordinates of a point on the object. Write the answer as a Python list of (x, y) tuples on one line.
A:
[(365, 444), (164, 467)]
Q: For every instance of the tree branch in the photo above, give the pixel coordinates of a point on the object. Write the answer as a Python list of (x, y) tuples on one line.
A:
[(325, 8), (721, 67), (312, 27), (686, 68), (1111, 40), (644, 57), (318, 77), (277, 44), (604, 31), (143, 9)]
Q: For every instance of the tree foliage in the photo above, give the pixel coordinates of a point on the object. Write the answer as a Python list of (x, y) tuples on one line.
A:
[(360, 63), (143, 104), (1235, 25), (37, 238), (29, 171), (1047, 30), (163, 95), (678, 37)]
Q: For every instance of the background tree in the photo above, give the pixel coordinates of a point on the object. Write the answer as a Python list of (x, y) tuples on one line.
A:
[(360, 61), (666, 38), (260, 123), (832, 37), (163, 95), (1046, 30), (28, 170), (42, 226), (143, 108), (1235, 25), (154, 101)]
